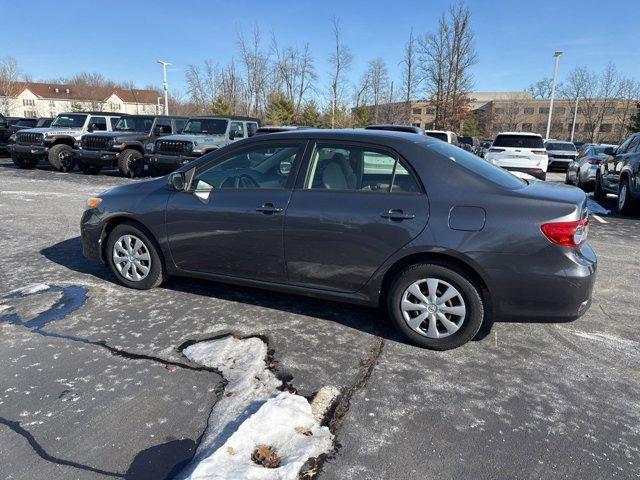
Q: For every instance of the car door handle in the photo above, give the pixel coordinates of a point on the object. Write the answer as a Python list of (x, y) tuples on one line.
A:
[(268, 209), (397, 214)]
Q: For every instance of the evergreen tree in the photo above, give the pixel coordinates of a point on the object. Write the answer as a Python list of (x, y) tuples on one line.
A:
[(220, 106), (280, 111), (634, 126), (310, 115)]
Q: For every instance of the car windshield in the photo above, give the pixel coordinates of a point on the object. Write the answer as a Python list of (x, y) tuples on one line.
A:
[(69, 121), (477, 165), (134, 124), (438, 135), (567, 147), (206, 126), (518, 141), (25, 123)]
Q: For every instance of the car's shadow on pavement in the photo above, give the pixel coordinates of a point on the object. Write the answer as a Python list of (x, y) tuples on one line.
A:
[(372, 321)]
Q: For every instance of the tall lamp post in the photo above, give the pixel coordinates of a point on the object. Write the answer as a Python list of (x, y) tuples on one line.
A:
[(165, 85), (575, 115), (553, 91)]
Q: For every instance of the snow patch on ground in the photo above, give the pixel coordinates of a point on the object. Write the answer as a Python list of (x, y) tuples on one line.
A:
[(595, 208), (252, 412), (31, 289)]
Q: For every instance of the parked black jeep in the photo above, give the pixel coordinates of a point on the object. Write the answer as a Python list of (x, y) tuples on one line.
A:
[(124, 147), (4, 134)]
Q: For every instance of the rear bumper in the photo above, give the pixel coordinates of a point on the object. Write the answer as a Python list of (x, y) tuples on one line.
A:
[(554, 284), (96, 157), (534, 172), (559, 162), (167, 162), (30, 151)]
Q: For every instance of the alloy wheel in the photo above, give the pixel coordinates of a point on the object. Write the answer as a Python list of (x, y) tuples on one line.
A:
[(433, 308), (131, 258)]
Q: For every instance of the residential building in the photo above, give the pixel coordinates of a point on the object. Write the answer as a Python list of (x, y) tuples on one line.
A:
[(31, 99)]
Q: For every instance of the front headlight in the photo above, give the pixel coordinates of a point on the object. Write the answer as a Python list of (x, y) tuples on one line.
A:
[(149, 147), (93, 202), (12, 138)]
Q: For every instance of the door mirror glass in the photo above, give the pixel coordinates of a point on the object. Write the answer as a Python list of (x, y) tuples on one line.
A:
[(177, 181), (285, 167), (609, 151)]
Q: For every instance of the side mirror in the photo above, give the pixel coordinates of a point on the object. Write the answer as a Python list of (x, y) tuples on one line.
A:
[(609, 151), (177, 181)]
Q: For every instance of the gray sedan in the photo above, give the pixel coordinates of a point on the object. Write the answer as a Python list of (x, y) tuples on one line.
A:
[(444, 240), (582, 171)]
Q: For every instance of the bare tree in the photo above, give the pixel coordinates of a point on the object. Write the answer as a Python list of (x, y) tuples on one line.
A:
[(202, 85), (445, 62), (9, 84), (231, 86), (340, 60), (295, 72), (541, 89), (409, 74), (378, 76), (599, 99), (255, 63), (629, 93)]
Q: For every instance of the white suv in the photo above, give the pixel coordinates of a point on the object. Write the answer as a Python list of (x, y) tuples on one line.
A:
[(519, 152), (444, 135)]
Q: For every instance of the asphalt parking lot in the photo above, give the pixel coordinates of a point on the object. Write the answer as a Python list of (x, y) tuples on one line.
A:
[(94, 384)]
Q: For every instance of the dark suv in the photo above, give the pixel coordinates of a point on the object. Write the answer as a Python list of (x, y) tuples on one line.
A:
[(438, 235), (619, 173), (20, 124), (124, 147)]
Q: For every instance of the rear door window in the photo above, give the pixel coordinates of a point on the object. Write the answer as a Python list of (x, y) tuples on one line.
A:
[(358, 168), (518, 141), (100, 123), (180, 123)]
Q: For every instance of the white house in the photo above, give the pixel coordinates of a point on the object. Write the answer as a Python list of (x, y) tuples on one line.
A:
[(30, 99)]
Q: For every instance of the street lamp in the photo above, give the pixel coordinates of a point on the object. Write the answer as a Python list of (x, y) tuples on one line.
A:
[(165, 85), (553, 91)]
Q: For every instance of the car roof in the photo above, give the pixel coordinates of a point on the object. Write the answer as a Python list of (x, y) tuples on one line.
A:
[(355, 135), (528, 134)]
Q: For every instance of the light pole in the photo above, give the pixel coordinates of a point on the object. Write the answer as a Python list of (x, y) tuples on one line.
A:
[(553, 91), (575, 115), (165, 85)]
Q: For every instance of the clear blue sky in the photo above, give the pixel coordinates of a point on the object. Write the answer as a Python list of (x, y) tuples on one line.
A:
[(515, 40)]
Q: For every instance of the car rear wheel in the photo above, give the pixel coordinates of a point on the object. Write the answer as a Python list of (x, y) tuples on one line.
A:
[(134, 257), (88, 168), (598, 192), (627, 205), (435, 306), (23, 162), (131, 163), (59, 154)]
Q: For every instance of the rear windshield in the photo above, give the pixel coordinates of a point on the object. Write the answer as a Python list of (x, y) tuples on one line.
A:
[(518, 141), (477, 165), (599, 151), (438, 135), (25, 122), (568, 147)]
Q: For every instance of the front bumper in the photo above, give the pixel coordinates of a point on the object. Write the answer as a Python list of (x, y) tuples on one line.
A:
[(30, 151), (167, 162), (554, 284), (91, 234), (97, 157)]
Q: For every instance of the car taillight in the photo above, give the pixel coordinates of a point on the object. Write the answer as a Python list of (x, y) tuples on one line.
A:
[(539, 152), (567, 234), (594, 161), (496, 149)]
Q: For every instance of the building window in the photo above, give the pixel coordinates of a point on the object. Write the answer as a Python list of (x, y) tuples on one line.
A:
[(543, 110), (609, 110), (416, 111), (115, 107), (560, 110), (30, 114), (527, 127), (529, 111), (429, 111), (605, 128), (28, 102), (52, 103)]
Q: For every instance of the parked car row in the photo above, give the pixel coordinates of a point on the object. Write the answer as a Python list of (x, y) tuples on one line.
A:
[(94, 140), (11, 125)]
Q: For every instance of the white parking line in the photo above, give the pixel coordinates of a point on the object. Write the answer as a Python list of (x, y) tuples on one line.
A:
[(600, 219)]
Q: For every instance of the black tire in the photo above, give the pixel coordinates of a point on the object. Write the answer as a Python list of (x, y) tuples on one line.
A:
[(131, 163), (24, 162), (88, 168), (599, 194), (627, 205), (58, 154), (156, 273), (455, 277)]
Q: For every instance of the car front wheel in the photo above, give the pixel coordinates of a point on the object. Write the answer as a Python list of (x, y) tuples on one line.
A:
[(598, 192), (134, 257), (131, 163), (435, 306), (627, 205)]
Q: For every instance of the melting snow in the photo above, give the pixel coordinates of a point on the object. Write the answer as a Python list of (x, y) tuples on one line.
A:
[(252, 412), (595, 208)]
